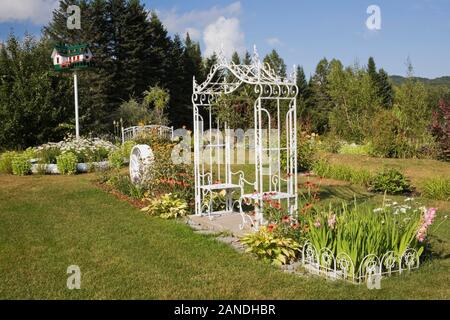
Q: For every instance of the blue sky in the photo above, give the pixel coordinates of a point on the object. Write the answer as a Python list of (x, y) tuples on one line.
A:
[(302, 31)]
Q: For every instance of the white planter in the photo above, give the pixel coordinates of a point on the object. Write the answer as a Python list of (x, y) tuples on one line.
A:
[(51, 168)]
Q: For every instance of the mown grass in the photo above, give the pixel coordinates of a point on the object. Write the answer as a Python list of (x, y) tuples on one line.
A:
[(50, 222), (417, 170)]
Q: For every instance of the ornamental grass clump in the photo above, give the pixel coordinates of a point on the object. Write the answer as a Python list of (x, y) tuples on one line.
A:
[(360, 231), (437, 188)]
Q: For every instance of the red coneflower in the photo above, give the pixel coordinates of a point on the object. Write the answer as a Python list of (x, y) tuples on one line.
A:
[(286, 219), (276, 205), (271, 227), (295, 226)]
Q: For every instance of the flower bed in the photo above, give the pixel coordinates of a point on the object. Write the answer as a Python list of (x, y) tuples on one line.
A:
[(86, 150), (66, 157), (348, 241)]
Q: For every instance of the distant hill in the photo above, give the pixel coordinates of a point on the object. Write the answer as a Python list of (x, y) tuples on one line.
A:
[(441, 81)]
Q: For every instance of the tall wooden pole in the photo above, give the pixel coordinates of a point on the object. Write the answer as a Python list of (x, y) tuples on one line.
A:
[(75, 86)]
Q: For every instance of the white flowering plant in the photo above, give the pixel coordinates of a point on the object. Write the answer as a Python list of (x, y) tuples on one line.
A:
[(85, 149)]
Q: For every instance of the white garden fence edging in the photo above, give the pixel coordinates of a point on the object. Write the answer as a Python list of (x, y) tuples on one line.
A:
[(324, 263)]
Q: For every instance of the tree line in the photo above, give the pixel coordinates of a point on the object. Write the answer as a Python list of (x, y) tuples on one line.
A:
[(134, 53)]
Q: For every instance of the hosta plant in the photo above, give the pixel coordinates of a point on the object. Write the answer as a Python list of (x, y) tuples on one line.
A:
[(168, 206), (269, 247)]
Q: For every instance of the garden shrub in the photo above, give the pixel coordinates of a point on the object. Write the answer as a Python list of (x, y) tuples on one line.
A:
[(269, 247), (20, 165), (67, 163), (437, 188), (166, 177), (126, 148), (116, 159), (385, 135), (6, 159), (331, 144), (390, 138), (390, 181), (440, 129), (168, 206), (306, 150)]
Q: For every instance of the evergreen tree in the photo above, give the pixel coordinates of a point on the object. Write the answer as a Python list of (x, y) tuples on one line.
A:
[(385, 90), (210, 62), (276, 63), (372, 70), (319, 102), (35, 102), (193, 60), (302, 85), (380, 81), (247, 60), (179, 86), (136, 36), (235, 58), (301, 82)]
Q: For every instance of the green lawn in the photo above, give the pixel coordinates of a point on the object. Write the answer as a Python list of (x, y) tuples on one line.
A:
[(50, 222), (417, 170)]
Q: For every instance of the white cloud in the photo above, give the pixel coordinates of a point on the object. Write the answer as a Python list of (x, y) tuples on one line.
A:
[(274, 42), (196, 21), (36, 11), (224, 32)]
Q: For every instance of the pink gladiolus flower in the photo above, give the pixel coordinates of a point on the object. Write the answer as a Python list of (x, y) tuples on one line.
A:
[(317, 224), (428, 219), (332, 221)]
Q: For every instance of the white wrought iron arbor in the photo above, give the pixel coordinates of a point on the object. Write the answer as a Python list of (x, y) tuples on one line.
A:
[(270, 181)]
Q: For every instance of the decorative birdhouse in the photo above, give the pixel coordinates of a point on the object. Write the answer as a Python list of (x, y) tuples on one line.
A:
[(75, 57)]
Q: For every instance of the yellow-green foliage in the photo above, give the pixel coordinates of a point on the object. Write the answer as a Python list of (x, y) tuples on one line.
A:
[(271, 248), (437, 188), (126, 148), (169, 206), (67, 163), (20, 165), (364, 149), (6, 162), (115, 158), (325, 169)]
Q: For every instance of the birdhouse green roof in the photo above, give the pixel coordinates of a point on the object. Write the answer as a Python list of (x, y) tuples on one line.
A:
[(72, 50)]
